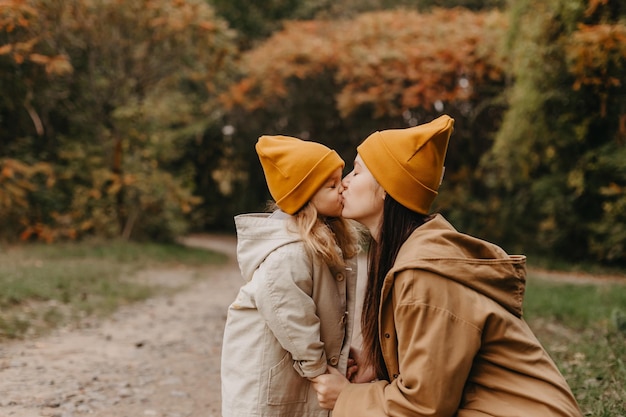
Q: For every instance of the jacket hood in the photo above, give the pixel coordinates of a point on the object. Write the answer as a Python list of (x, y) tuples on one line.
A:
[(439, 248), (258, 235)]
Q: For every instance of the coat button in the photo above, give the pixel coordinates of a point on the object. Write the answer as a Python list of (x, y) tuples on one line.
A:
[(387, 335), (334, 361), (395, 376), (340, 277)]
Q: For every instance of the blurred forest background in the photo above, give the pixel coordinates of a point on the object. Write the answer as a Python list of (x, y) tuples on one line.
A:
[(138, 119)]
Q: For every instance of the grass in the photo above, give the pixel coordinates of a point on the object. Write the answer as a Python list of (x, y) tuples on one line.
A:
[(44, 286), (583, 327), (540, 261)]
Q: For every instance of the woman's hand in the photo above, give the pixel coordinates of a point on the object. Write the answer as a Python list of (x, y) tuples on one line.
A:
[(364, 374), (328, 387), (353, 368), (359, 373)]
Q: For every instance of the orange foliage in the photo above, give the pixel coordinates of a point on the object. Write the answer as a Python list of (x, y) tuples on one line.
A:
[(17, 19), (125, 55), (391, 60), (594, 5), (17, 181), (21, 19), (598, 59), (595, 51)]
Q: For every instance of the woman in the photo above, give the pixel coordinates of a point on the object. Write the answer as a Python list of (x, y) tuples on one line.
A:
[(442, 321), (291, 319)]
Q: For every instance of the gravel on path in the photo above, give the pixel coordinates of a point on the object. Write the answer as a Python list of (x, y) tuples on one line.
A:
[(155, 358)]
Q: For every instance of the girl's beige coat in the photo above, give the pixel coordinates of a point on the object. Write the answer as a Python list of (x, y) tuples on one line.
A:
[(453, 338), (289, 321)]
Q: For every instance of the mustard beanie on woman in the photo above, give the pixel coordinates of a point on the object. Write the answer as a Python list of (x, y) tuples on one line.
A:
[(408, 163), (295, 169)]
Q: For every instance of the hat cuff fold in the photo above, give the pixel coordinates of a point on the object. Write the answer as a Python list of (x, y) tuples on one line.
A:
[(393, 177), (302, 192)]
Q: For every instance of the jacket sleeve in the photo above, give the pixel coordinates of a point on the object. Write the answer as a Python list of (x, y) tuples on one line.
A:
[(435, 352), (284, 300)]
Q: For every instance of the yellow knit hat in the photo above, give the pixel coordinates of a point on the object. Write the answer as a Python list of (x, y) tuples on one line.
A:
[(408, 163), (295, 169)]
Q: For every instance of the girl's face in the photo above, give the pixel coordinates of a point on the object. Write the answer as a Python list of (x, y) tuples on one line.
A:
[(363, 197), (327, 200)]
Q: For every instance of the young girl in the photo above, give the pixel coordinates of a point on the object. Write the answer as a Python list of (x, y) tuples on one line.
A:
[(442, 317), (292, 318)]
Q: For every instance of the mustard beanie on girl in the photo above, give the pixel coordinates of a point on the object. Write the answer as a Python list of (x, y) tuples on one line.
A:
[(295, 169), (408, 163)]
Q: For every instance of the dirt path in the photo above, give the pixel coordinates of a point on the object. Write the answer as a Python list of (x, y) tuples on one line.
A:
[(157, 358)]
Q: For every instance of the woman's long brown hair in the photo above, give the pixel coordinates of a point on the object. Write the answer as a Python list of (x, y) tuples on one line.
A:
[(397, 225)]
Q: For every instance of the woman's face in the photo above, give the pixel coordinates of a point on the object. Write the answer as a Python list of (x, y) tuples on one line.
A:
[(363, 197), (327, 200)]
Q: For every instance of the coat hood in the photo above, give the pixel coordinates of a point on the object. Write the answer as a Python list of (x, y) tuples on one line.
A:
[(439, 248), (252, 229)]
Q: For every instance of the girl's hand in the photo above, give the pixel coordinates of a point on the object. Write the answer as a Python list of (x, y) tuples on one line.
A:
[(328, 387)]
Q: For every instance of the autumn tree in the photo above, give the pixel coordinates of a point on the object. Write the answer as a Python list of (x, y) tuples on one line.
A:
[(558, 167), (256, 21), (109, 92), (22, 172), (336, 81)]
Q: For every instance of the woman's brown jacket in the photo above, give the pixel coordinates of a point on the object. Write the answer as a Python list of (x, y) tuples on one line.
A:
[(453, 338)]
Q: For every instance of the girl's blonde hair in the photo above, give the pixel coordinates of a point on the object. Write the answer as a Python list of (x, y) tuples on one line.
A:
[(323, 235)]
